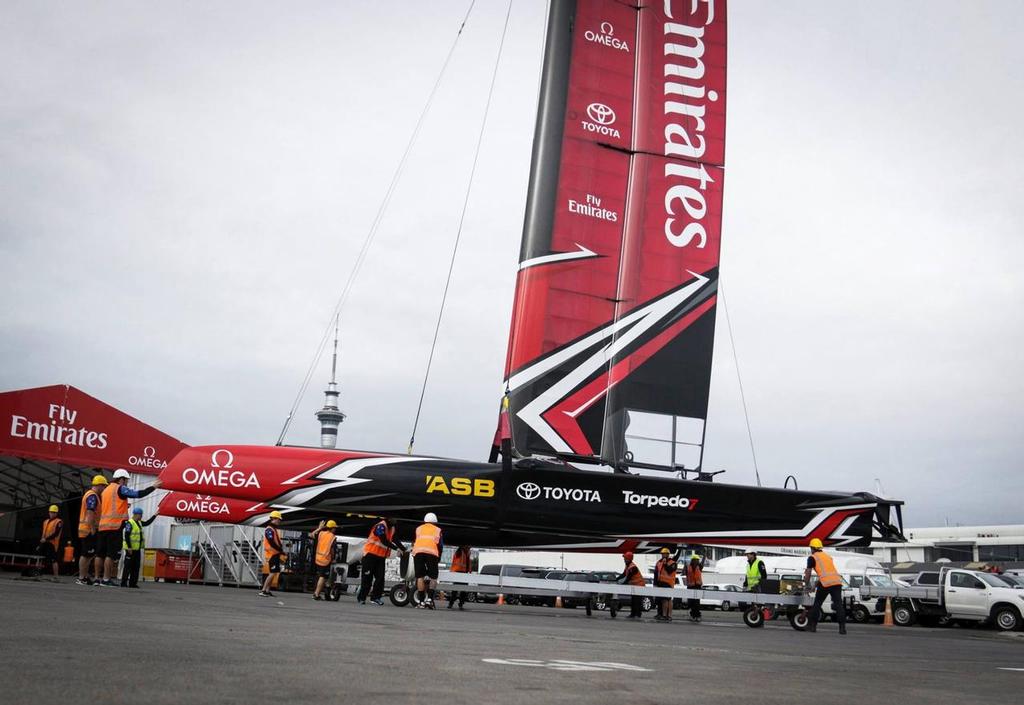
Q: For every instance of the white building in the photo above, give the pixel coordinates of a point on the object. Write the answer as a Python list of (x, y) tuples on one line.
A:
[(956, 543)]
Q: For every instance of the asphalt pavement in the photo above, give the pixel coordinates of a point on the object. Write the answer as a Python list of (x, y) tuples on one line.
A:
[(196, 644)]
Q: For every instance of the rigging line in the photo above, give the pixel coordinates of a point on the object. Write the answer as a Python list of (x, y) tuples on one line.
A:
[(368, 241), (736, 362), (458, 232)]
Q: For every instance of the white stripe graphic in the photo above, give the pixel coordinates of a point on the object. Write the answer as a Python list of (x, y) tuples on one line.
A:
[(341, 474), (805, 532), (638, 322), (582, 253)]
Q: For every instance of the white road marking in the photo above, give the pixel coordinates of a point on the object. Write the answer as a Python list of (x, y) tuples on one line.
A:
[(566, 665), (1011, 669)]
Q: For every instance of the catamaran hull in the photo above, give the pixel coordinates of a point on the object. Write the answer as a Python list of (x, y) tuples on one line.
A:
[(534, 505)]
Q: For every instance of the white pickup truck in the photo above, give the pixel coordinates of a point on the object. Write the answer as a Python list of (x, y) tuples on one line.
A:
[(961, 595)]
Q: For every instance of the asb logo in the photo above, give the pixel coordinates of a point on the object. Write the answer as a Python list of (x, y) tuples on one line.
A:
[(223, 476), (531, 491), (601, 118), (148, 459), (601, 113), (460, 486), (606, 37), (528, 490)]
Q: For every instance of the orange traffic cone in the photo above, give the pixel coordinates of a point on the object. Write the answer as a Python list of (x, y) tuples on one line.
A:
[(501, 599), (558, 602), (888, 622)]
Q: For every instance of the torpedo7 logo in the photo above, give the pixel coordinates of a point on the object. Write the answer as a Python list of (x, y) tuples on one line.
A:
[(461, 486)]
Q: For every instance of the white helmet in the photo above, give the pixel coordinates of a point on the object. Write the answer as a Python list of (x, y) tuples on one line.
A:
[(118, 474), (430, 518)]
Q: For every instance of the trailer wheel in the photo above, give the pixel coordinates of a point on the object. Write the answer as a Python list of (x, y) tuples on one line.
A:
[(647, 604), (860, 614), (903, 616), (754, 617), (799, 620), (1006, 618), (400, 595)]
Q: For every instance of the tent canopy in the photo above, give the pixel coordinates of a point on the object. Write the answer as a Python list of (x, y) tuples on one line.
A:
[(53, 439)]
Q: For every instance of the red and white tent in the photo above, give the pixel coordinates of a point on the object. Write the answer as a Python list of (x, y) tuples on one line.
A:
[(54, 439)]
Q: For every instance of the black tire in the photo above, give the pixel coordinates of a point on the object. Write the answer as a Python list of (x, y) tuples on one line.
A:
[(903, 615), (754, 617), (726, 606), (400, 595), (860, 614), (1006, 618), (799, 620)]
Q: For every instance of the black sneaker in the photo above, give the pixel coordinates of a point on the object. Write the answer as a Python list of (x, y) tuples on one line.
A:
[(317, 598), (265, 593)]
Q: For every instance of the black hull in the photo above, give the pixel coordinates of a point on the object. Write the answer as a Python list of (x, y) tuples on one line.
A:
[(540, 505)]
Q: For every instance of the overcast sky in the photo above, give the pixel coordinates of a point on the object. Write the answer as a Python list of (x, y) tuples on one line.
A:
[(184, 188)]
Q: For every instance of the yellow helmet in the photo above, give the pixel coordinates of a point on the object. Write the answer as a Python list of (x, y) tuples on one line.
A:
[(665, 551), (54, 508), (816, 543), (331, 524), (275, 514), (99, 480)]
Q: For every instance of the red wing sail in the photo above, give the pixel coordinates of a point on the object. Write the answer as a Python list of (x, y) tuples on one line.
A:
[(613, 319)]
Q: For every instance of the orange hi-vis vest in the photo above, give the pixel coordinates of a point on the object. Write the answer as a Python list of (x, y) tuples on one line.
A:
[(828, 576), (374, 546), (268, 550), (635, 578), (428, 536), (694, 576), (663, 574), (113, 508), (83, 528), (460, 561), (54, 526), (324, 548)]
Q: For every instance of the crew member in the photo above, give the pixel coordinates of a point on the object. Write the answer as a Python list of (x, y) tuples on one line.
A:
[(426, 551), (325, 546), (631, 575), (756, 572), (695, 581), (88, 523), (113, 515), (273, 553), (49, 539), (377, 549), (830, 584), (134, 544), (460, 564), (665, 577)]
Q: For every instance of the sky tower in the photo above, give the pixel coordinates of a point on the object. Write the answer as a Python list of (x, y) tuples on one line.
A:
[(331, 416)]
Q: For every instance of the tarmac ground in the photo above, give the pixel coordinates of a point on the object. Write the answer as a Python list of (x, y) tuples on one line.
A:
[(199, 644)]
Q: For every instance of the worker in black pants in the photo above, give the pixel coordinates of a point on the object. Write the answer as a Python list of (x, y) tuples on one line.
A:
[(133, 542), (830, 584)]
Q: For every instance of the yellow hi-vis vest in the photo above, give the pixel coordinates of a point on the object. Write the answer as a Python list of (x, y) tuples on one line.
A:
[(754, 573), (135, 541)]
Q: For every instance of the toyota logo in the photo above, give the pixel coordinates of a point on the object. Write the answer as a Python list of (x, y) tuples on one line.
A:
[(528, 490), (601, 113)]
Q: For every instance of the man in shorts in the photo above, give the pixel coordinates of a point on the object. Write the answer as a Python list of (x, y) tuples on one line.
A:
[(88, 523), (325, 544), (273, 553), (426, 552), (49, 539), (113, 515)]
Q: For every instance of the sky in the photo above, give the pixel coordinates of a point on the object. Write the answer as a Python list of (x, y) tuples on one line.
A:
[(186, 186)]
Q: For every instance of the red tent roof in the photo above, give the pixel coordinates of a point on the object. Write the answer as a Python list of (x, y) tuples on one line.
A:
[(64, 424)]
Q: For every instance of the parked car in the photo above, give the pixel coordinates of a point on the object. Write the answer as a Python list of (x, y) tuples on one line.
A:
[(963, 596), (574, 576), (511, 571)]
